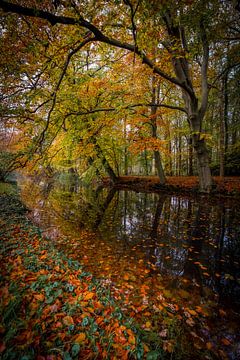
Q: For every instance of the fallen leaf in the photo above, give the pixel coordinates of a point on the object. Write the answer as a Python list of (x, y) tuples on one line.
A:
[(39, 297), (225, 341), (88, 296), (80, 338), (68, 320)]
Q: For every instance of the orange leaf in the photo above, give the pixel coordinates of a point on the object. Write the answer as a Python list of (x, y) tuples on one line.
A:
[(225, 341), (39, 297), (192, 312), (209, 345), (132, 340), (80, 338), (88, 296)]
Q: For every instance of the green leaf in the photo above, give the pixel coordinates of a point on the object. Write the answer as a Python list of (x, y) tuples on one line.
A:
[(66, 356), (75, 349), (153, 355)]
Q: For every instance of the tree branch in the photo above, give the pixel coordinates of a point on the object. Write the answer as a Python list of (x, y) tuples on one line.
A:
[(99, 36), (54, 95), (93, 111)]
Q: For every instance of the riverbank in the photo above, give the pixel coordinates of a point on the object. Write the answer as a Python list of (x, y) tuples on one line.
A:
[(50, 308), (227, 186)]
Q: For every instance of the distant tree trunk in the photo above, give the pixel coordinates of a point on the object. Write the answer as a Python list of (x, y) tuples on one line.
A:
[(157, 157), (226, 101), (125, 149), (146, 162), (190, 156), (179, 154), (221, 145), (168, 164), (223, 140)]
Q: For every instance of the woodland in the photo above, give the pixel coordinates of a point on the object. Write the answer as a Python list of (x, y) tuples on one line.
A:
[(121, 88), (119, 179)]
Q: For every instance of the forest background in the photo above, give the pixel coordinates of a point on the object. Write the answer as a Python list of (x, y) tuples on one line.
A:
[(121, 88)]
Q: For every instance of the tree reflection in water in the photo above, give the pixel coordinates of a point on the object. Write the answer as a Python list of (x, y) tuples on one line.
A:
[(182, 247)]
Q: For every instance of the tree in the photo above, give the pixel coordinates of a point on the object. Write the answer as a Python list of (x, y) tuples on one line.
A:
[(184, 32)]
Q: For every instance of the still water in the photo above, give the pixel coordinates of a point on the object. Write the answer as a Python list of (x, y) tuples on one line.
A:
[(153, 250)]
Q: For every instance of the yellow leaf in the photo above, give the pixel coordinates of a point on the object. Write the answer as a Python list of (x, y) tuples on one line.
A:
[(80, 338), (192, 312), (148, 324), (68, 320)]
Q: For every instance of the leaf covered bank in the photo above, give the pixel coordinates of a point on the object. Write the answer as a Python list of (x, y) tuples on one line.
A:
[(50, 308)]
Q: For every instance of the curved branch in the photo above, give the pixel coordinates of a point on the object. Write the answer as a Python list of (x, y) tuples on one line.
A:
[(93, 111), (99, 36)]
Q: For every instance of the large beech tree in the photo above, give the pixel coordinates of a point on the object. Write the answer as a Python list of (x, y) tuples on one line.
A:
[(180, 33)]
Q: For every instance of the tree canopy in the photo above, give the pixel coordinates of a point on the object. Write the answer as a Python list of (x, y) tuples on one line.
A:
[(122, 86)]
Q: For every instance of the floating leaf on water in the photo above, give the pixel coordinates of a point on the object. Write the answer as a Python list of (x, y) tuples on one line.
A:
[(209, 345), (225, 342)]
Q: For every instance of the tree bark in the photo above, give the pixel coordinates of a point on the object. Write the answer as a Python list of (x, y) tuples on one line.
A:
[(204, 173), (157, 157), (104, 161), (190, 156)]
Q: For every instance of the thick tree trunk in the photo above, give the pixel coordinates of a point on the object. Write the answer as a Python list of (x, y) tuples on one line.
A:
[(190, 156), (204, 173), (158, 164)]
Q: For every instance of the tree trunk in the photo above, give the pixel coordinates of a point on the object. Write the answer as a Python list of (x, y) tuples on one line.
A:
[(158, 164), (190, 156), (221, 145), (105, 163), (204, 173), (157, 157), (125, 148)]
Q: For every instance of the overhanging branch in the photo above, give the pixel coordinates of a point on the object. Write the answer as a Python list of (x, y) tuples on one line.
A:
[(98, 34)]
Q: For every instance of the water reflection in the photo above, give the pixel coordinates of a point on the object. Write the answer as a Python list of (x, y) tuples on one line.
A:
[(190, 242), (159, 254)]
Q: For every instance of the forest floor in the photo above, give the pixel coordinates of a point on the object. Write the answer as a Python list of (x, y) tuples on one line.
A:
[(228, 186), (52, 309)]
